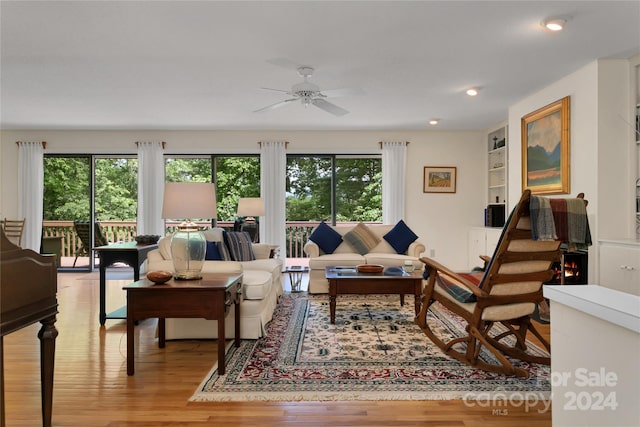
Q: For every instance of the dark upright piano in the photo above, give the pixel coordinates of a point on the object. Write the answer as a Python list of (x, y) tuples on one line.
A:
[(28, 287)]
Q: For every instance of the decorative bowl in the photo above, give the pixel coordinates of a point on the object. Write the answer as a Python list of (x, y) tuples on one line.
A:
[(159, 277), (370, 268), (147, 239)]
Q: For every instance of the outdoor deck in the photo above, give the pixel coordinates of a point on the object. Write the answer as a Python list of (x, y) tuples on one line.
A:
[(297, 234)]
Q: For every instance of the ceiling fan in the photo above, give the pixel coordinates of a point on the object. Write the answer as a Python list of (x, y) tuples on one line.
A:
[(310, 94)]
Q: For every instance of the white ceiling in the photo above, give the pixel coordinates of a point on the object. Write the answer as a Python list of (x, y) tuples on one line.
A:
[(200, 65)]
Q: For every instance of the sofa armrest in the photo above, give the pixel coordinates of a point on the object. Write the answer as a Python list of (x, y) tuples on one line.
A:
[(416, 249), (261, 250), (311, 249), (154, 256)]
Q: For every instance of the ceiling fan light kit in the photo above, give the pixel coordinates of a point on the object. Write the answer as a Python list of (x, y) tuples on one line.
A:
[(310, 94)]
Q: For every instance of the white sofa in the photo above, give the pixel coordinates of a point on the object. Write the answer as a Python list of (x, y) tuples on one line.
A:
[(346, 255), (261, 282)]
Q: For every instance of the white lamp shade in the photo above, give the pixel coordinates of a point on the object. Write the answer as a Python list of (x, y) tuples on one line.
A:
[(183, 200), (251, 206)]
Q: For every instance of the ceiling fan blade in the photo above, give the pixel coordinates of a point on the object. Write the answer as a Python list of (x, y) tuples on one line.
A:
[(329, 107), (276, 105), (277, 90), (336, 93)]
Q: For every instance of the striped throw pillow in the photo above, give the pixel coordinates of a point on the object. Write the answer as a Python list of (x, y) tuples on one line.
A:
[(361, 239), (224, 251), (239, 245)]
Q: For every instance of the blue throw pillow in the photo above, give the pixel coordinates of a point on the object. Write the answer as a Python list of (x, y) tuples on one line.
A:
[(326, 238), (212, 254), (400, 237)]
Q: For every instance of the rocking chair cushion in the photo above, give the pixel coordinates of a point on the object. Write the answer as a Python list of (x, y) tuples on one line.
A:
[(460, 293)]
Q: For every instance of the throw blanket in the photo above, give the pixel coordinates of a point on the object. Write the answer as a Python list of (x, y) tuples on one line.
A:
[(572, 224), (542, 223), (560, 219)]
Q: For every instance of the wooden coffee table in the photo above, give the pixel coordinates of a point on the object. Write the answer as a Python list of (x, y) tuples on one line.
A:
[(209, 297), (347, 280)]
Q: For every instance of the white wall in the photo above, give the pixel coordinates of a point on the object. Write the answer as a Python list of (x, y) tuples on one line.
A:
[(602, 157), (441, 220), (582, 87), (616, 150)]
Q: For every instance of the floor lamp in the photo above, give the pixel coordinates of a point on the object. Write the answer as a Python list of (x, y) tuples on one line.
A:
[(251, 208), (184, 201)]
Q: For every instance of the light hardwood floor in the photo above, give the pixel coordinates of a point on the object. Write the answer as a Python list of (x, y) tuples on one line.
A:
[(92, 388)]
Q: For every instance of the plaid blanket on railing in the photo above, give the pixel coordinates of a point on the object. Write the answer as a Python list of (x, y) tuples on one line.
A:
[(562, 219), (572, 224), (542, 221)]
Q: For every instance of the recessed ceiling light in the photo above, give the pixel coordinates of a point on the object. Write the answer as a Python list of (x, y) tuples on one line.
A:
[(433, 121), (554, 24), (472, 91)]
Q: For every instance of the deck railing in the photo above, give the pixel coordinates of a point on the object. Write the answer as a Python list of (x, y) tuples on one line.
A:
[(297, 234)]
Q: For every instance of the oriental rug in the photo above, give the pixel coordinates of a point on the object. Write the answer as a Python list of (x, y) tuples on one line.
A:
[(374, 351)]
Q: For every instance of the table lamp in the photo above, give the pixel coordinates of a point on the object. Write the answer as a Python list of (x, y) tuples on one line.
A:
[(251, 208), (186, 201)]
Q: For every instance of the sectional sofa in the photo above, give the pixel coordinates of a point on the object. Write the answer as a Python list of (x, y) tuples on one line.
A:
[(261, 281)]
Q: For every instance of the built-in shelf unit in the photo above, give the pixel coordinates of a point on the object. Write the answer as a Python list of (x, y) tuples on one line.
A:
[(497, 166)]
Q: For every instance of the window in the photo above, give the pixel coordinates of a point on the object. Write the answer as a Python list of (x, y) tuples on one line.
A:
[(102, 190), (358, 189), (336, 188), (234, 176)]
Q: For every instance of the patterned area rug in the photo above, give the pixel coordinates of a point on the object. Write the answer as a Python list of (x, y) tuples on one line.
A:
[(373, 352)]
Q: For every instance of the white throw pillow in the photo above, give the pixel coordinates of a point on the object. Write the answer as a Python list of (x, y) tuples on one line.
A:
[(213, 234)]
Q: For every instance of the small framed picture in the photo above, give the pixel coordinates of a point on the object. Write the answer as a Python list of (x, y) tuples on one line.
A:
[(439, 179)]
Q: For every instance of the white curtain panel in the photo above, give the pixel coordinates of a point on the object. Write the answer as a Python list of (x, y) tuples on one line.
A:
[(31, 192), (150, 188), (273, 169), (394, 164)]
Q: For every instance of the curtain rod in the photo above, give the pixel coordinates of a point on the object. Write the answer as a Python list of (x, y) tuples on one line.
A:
[(44, 144), (286, 144), (381, 142), (163, 144)]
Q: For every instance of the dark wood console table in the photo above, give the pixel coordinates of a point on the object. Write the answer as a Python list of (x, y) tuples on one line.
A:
[(129, 253), (209, 297), (28, 284)]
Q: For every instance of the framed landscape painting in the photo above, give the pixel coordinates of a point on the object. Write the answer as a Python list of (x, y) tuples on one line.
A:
[(545, 149), (439, 179)]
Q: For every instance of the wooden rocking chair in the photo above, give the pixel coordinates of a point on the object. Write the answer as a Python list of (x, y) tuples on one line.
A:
[(506, 294)]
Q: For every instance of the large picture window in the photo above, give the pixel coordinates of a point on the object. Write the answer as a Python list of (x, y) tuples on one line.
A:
[(334, 188), (101, 190), (234, 176), (89, 200)]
